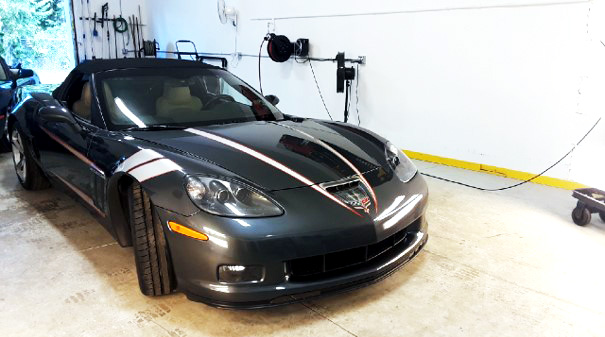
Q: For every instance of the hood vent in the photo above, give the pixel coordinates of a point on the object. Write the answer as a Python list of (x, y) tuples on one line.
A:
[(341, 185)]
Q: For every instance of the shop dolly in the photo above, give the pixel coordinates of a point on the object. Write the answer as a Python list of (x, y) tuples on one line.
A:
[(590, 200)]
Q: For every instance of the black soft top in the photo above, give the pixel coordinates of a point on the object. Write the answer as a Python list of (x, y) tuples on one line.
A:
[(98, 66)]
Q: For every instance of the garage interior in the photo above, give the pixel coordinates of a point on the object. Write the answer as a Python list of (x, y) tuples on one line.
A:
[(486, 94)]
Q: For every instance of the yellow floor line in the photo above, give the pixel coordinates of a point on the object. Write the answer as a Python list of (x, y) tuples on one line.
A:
[(499, 171)]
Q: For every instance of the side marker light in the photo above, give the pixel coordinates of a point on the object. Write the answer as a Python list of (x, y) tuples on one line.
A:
[(177, 228)]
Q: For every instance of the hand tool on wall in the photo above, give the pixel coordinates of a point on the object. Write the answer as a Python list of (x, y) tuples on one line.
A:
[(122, 30), (121, 26), (90, 29), (115, 36), (139, 43), (104, 17), (95, 32), (141, 39), (127, 43), (102, 38), (134, 44), (83, 30), (108, 44)]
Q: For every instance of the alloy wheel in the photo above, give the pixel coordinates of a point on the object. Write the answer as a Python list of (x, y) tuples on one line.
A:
[(18, 155)]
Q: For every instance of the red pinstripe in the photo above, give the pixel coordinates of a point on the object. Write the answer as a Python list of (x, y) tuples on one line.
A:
[(345, 160), (71, 149), (273, 163)]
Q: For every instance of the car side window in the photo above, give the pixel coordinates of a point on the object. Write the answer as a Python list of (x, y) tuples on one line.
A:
[(3, 75), (79, 99)]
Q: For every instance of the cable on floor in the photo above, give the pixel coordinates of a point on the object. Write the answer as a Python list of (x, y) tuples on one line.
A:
[(524, 181)]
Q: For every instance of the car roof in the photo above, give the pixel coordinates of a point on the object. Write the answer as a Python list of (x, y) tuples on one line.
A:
[(96, 66), (102, 65)]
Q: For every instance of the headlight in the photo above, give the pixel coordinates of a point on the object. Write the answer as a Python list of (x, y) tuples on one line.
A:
[(400, 163), (229, 198)]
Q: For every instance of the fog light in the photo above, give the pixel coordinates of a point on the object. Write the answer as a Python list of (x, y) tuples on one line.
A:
[(239, 274)]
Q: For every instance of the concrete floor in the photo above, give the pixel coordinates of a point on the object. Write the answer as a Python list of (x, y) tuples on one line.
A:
[(497, 264)]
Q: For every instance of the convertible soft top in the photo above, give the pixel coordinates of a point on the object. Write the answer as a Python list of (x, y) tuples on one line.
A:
[(96, 66)]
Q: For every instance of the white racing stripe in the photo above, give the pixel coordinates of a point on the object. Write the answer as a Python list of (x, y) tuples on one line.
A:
[(140, 157), (154, 169), (147, 164), (271, 162), (345, 160)]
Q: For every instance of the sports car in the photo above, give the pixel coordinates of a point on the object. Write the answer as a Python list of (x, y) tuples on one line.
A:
[(223, 196)]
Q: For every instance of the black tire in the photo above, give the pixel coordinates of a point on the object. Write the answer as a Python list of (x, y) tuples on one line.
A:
[(152, 257), (31, 178), (602, 215), (581, 216)]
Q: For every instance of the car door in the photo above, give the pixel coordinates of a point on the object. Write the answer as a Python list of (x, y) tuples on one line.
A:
[(64, 149)]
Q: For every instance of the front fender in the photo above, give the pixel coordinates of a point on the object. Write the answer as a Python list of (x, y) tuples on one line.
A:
[(166, 188)]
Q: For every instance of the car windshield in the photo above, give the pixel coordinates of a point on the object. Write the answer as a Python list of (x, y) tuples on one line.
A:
[(180, 97)]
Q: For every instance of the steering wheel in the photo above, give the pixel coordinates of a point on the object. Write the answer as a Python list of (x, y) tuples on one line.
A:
[(217, 99)]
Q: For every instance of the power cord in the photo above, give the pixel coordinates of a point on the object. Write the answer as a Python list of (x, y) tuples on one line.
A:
[(357, 95), (525, 181), (260, 50), (319, 89)]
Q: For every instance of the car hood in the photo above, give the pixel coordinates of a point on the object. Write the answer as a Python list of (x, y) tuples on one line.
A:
[(318, 151)]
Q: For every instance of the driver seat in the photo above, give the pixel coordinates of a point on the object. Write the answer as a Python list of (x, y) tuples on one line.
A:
[(83, 106), (177, 99)]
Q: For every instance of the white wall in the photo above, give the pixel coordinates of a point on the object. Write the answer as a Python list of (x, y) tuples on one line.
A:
[(103, 49), (514, 85)]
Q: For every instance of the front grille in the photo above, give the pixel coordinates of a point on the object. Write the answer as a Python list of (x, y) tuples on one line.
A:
[(320, 267)]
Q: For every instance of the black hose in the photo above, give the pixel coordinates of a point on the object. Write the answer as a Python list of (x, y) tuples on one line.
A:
[(260, 82), (524, 181)]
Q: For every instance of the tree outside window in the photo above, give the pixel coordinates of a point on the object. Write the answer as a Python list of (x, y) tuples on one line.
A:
[(37, 34)]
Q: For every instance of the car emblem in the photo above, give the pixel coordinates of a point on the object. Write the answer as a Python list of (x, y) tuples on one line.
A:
[(364, 205), (357, 198)]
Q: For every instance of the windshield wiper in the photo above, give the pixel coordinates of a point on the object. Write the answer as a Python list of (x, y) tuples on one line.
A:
[(154, 128)]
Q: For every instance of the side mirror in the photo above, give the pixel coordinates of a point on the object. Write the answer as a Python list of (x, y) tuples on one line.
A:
[(59, 115), (25, 73), (272, 99), (18, 73)]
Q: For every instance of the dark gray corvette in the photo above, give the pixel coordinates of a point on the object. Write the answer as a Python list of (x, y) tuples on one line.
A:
[(222, 196)]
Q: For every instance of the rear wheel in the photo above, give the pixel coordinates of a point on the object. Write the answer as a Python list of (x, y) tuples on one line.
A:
[(152, 257), (28, 172)]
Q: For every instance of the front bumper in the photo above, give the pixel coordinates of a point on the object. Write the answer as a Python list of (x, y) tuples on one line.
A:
[(274, 243), (292, 292)]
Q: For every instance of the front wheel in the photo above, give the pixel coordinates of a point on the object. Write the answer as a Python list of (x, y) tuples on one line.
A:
[(28, 172), (152, 257)]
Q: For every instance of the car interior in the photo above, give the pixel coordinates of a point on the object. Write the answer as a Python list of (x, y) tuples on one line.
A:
[(166, 100), (83, 106)]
